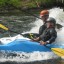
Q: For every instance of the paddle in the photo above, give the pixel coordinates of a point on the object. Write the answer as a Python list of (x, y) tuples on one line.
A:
[(29, 35), (58, 51)]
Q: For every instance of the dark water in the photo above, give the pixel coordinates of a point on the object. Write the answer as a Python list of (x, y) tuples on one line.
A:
[(18, 24), (22, 24)]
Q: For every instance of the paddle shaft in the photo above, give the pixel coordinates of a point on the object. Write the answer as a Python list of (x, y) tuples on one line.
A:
[(15, 32)]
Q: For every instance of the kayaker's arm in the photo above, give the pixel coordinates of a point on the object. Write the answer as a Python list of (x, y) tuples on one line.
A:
[(53, 36)]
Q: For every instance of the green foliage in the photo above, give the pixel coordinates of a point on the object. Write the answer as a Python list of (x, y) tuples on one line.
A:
[(15, 2), (2, 2), (25, 3), (30, 4)]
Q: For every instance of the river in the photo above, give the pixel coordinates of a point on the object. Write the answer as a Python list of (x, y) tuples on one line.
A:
[(30, 24)]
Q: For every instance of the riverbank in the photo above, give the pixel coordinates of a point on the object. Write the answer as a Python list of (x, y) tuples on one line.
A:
[(12, 6)]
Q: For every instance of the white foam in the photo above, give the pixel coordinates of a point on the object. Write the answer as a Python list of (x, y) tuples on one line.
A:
[(30, 57), (7, 40)]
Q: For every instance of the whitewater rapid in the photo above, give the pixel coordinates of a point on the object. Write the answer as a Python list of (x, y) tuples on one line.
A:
[(56, 13)]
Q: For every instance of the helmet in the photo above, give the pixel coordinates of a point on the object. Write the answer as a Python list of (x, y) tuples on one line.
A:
[(52, 20), (44, 12)]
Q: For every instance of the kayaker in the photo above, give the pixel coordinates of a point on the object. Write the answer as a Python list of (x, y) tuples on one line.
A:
[(44, 14), (49, 34)]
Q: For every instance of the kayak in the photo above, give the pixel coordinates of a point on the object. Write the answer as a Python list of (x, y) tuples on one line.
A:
[(22, 45)]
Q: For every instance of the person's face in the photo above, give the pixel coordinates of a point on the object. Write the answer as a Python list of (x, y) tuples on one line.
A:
[(49, 24), (44, 18)]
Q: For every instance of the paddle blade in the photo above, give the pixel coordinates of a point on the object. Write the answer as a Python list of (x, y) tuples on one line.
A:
[(3, 27), (58, 51)]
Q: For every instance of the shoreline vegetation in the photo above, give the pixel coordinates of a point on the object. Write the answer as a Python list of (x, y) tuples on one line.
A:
[(12, 6)]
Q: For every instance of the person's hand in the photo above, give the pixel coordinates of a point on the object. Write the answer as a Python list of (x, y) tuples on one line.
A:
[(43, 43)]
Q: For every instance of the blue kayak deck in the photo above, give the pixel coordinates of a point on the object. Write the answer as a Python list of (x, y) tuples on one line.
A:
[(26, 46)]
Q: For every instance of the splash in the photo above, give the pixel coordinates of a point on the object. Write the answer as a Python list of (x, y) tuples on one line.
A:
[(7, 40), (58, 14), (26, 57)]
